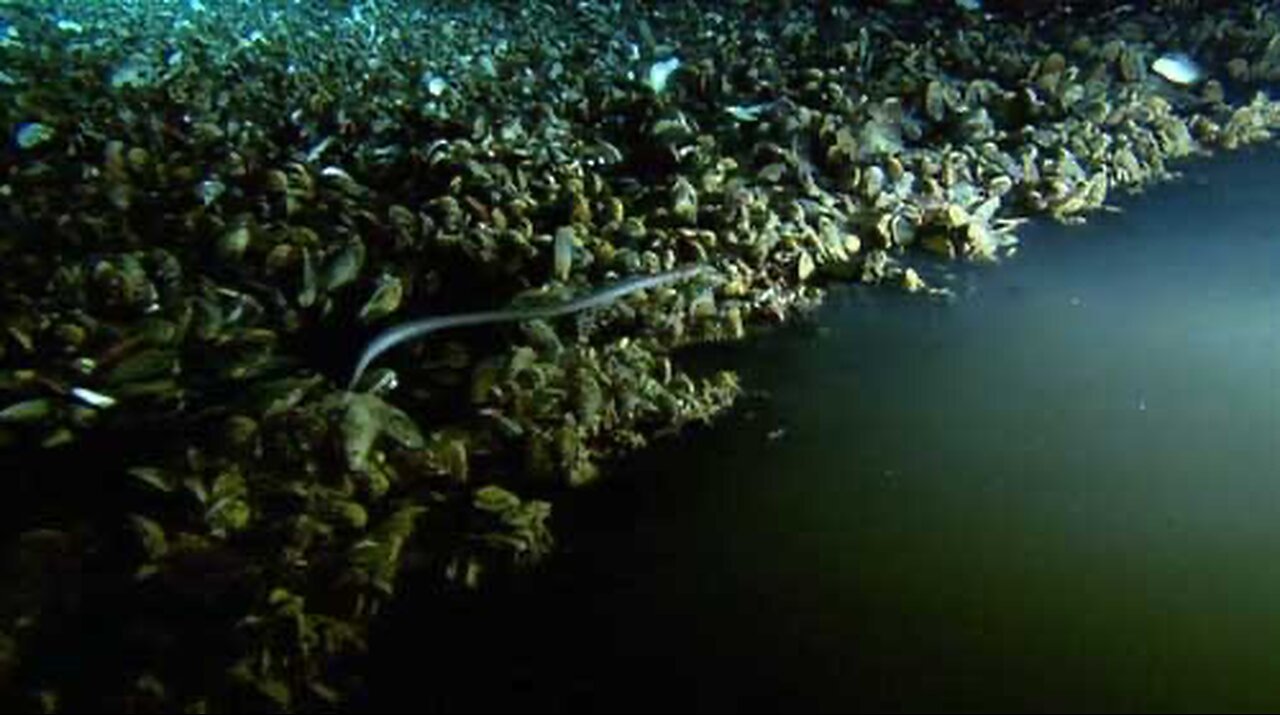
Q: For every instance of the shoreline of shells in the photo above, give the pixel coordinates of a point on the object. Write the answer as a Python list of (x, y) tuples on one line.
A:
[(209, 208)]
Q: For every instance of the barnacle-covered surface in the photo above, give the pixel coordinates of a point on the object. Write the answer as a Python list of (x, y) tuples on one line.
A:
[(207, 208)]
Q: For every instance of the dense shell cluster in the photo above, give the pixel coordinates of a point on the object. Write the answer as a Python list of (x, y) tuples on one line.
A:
[(207, 209)]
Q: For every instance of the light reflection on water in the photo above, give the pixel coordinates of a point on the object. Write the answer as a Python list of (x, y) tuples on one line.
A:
[(1062, 491)]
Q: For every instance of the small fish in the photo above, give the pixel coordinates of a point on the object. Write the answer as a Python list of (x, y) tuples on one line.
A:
[(1178, 68)]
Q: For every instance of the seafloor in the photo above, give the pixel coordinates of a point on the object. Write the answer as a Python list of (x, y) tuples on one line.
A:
[(217, 464)]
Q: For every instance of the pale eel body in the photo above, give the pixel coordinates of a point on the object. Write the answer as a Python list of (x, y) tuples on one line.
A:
[(414, 329)]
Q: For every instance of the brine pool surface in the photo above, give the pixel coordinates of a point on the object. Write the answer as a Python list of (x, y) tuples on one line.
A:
[(1062, 491)]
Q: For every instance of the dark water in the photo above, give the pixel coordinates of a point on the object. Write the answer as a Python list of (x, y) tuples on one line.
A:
[(1062, 492)]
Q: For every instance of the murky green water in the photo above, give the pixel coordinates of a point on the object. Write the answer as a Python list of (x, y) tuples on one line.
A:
[(1062, 492)]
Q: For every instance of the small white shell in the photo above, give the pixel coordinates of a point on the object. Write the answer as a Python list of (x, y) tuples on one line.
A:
[(660, 72), (1178, 68), (92, 398), (562, 250)]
